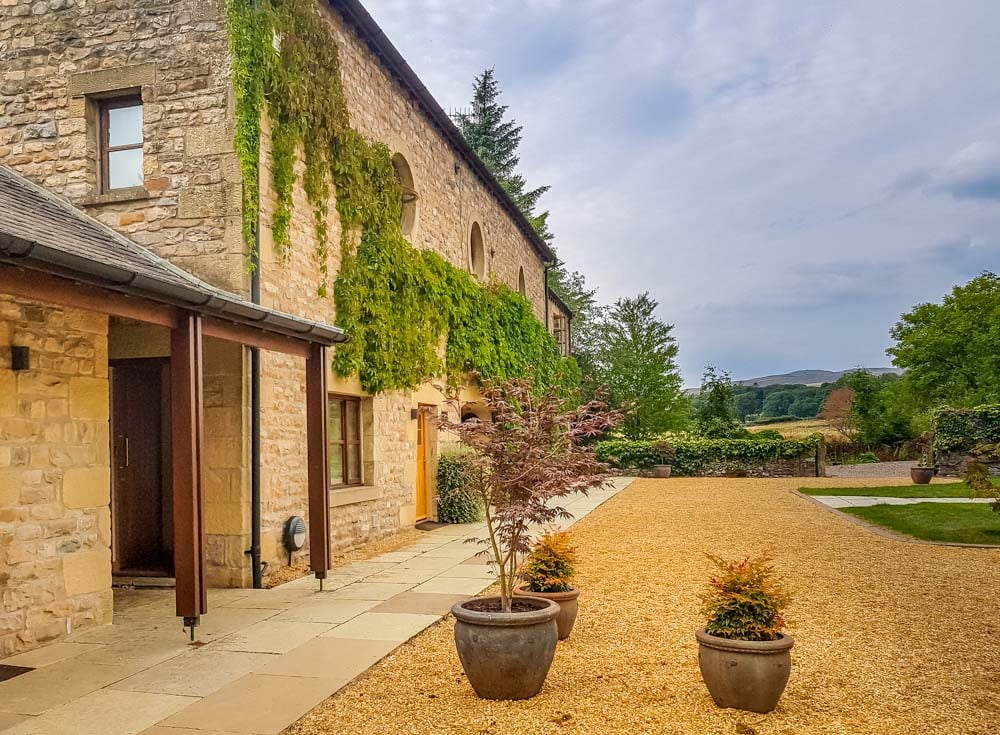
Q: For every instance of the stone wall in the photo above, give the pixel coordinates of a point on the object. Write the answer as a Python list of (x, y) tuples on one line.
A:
[(60, 57), (55, 520), (954, 464)]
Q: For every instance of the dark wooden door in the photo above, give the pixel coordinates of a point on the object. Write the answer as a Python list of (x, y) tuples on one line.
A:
[(142, 501)]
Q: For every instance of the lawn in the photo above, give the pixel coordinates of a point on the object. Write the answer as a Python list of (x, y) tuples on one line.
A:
[(964, 523), (875, 649), (934, 490)]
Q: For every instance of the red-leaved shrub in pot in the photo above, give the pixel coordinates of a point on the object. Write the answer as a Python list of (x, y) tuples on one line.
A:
[(535, 451)]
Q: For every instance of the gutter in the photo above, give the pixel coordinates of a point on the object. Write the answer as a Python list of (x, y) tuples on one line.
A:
[(198, 296)]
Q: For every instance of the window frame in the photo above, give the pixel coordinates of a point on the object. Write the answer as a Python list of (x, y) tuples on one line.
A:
[(104, 105), (346, 480)]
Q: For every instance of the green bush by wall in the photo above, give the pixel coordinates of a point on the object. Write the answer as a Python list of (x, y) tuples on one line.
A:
[(962, 429), (457, 503), (693, 455)]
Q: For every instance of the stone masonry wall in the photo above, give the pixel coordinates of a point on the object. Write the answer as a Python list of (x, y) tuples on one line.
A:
[(55, 520), (59, 57), (450, 199)]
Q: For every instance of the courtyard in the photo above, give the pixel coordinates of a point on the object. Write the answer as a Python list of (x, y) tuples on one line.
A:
[(891, 636)]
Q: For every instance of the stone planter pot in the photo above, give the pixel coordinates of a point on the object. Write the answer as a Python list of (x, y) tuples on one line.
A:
[(922, 475), (568, 607), (506, 655), (747, 675), (661, 470)]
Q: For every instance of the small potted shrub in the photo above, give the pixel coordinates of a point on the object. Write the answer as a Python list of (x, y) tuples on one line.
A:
[(546, 573), (743, 655), (534, 452), (925, 469), (665, 453)]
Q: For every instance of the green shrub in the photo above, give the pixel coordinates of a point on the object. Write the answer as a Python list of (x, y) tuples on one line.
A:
[(977, 479), (864, 458), (457, 502), (549, 566), (692, 455), (957, 429), (767, 434), (744, 600)]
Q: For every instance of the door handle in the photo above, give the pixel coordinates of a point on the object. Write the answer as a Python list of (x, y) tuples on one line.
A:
[(126, 452)]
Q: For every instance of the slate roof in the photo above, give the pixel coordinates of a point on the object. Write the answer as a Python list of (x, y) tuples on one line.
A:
[(42, 231)]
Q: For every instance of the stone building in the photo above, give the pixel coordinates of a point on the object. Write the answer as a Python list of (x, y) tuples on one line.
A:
[(126, 111)]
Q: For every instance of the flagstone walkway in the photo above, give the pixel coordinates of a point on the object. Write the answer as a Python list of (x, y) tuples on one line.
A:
[(262, 658), (864, 501)]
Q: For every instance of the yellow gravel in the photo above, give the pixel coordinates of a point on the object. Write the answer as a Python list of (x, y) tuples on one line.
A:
[(891, 637)]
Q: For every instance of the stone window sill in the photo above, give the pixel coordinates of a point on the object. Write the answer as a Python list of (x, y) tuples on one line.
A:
[(131, 194), (350, 495)]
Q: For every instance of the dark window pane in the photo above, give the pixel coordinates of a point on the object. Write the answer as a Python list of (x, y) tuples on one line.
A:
[(124, 125), (125, 168), (335, 428), (354, 463)]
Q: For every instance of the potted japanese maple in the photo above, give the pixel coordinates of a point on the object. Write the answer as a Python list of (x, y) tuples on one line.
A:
[(744, 656), (534, 452), (925, 470), (547, 572)]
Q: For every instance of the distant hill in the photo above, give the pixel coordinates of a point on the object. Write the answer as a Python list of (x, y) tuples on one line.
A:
[(809, 377)]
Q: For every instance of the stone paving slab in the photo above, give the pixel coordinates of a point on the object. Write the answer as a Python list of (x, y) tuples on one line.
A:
[(290, 647), (104, 712), (865, 501)]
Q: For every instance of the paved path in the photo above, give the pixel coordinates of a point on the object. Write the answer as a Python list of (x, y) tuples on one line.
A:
[(863, 501), (874, 469), (263, 657)]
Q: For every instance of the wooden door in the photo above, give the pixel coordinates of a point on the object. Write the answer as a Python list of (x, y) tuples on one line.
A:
[(142, 498), (422, 484)]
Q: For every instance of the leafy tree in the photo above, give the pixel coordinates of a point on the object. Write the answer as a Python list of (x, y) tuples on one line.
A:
[(716, 407), (876, 417), (949, 350), (495, 140), (587, 314), (635, 359)]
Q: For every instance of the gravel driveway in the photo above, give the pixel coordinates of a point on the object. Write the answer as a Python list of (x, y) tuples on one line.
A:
[(891, 638)]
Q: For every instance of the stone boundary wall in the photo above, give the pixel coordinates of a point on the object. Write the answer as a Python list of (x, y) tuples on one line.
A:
[(953, 464), (55, 518)]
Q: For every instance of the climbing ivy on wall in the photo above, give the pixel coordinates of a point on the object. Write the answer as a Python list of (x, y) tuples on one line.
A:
[(411, 315)]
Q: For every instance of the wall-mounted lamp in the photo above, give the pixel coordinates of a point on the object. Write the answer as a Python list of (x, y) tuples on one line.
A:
[(414, 413), (294, 537), (19, 358)]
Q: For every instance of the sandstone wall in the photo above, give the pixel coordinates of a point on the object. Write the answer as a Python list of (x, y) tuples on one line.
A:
[(59, 57), (55, 520)]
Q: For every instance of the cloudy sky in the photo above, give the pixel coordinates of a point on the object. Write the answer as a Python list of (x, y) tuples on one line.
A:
[(784, 177)]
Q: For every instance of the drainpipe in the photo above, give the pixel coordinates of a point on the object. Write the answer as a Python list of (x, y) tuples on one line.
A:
[(254, 550)]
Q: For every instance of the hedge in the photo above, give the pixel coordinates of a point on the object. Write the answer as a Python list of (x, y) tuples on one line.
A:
[(457, 502), (692, 455), (958, 429)]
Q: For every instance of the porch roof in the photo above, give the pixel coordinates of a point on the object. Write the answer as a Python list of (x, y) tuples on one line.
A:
[(43, 232)]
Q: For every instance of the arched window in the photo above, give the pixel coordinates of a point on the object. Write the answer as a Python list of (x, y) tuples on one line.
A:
[(522, 286), (408, 210), (477, 253)]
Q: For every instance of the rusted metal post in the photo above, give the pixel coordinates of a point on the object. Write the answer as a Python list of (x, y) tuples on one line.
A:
[(186, 448), (319, 467)]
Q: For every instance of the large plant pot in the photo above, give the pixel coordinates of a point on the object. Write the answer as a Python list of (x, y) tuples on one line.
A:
[(568, 607), (747, 675), (506, 655), (661, 470), (921, 475)]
